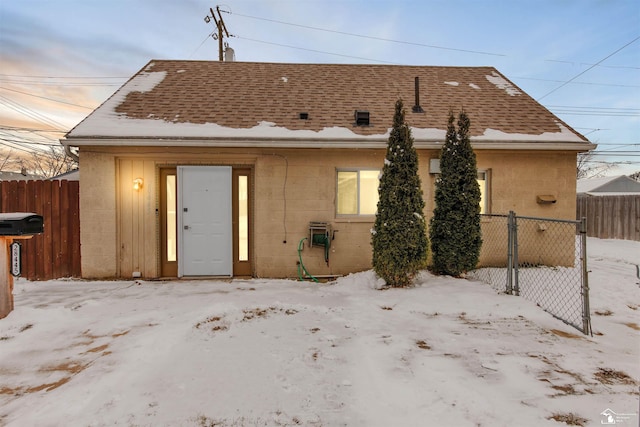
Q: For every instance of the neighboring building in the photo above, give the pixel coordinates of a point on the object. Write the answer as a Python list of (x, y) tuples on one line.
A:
[(18, 176), (611, 206), (198, 168), (608, 186), (73, 175)]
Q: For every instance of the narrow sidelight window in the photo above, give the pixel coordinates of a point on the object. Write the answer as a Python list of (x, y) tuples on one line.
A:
[(243, 218), (172, 243), (483, 182)]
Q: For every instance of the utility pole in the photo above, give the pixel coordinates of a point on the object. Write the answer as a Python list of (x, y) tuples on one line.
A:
[(222, 30)]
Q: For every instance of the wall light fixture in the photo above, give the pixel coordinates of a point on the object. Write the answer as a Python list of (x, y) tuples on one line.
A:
[(138, 183)]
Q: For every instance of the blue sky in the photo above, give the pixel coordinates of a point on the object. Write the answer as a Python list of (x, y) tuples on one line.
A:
[(579, 58)]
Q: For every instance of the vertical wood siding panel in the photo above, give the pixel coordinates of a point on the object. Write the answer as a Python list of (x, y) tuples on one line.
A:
[(151, 218)]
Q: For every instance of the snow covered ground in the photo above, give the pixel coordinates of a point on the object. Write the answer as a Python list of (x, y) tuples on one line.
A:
[(284, 353)]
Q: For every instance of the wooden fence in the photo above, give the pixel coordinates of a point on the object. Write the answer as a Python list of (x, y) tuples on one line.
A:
[(56, 252), (611, 217)]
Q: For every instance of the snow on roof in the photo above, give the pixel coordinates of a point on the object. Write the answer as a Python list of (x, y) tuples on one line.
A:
[(213, 100), (502, 83)]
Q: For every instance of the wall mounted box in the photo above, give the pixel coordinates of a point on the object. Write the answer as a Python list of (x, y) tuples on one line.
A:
[(546, 199), (434, 166), (20, 224)]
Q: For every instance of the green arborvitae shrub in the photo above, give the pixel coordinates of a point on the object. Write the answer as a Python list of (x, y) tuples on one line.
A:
[(455, 226), (399, 236)]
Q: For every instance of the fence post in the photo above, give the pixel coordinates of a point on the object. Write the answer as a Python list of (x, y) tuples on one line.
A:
[(510, 221), (516, 266), (586, 311)]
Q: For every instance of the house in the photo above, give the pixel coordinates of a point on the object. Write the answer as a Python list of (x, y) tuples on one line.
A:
[(72, 175), (199, 168), (608, 186), (611, 206), (18, 176)]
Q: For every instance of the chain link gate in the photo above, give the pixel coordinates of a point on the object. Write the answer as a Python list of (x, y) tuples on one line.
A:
[(541, 259)]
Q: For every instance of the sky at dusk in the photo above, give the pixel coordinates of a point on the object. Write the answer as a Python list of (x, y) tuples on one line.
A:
[(579, 58)]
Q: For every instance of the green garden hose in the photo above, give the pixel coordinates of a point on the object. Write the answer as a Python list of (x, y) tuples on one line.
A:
[(301, 266)]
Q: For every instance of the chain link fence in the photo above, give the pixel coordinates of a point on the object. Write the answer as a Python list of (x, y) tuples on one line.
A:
[(541, 259)]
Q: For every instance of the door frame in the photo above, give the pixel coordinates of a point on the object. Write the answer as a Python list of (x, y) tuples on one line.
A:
[(239, 268), (167, 268), (242, 267)]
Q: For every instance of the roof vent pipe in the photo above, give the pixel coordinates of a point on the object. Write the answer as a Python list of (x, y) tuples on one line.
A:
[(417, 108)]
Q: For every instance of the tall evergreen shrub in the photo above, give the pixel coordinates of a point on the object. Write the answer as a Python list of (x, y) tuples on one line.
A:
[(455, 226), (399, 236)]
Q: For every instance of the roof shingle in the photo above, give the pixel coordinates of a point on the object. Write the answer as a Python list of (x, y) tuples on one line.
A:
[(242, 95)]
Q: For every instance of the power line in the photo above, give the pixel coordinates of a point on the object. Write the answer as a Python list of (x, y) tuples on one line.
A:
[(33, 138), (616, 153), (317, 51), (368, 37), (57, 83), (619, 145), (10, 138), (63, 77), (8, 127), (593, 66), (17, 141), (601, 162), (595, 108), (575, 83), (16, 146), (584, 63), (595, 113), (203, 42), (44, 97), (30, 113)]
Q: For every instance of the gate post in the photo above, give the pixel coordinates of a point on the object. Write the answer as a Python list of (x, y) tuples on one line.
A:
[(510, 234), (516, 262), (586, 311)]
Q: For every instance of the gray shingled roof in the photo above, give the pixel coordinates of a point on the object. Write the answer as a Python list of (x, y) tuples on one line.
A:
[(610, 184)]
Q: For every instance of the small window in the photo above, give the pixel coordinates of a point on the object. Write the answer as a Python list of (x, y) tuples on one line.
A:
[(357, 192), (483, 182)]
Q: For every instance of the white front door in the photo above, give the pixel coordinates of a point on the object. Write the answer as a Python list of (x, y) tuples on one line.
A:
[(204, 221)]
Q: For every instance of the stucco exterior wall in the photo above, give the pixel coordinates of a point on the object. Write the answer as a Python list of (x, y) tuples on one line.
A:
[(309, 195), (517, 178), (120, 227), (98, 215)]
